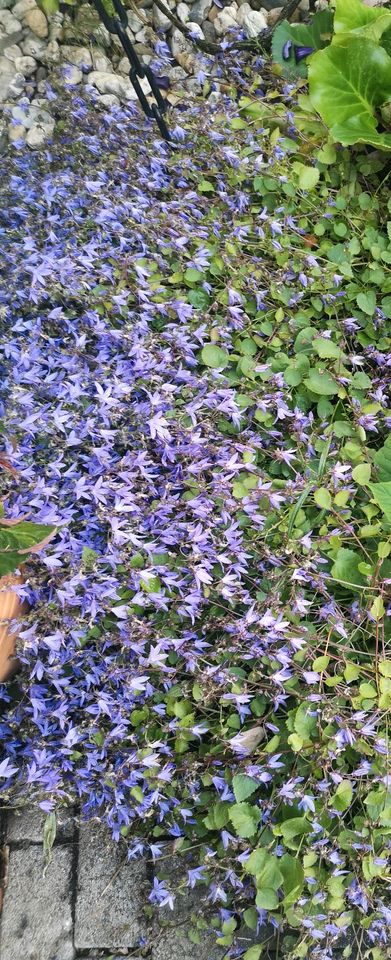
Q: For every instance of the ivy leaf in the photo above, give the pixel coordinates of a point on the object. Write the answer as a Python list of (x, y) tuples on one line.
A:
[(214, 356), (381, 492), (245, 819), (243, 786)]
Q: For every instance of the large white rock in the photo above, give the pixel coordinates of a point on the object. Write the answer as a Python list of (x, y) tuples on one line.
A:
[(37, 22), (79, 56), (120, 86), (226, 19), (252, 21)]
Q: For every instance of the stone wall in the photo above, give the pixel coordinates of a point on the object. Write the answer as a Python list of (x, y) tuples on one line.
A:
[(78, 51)]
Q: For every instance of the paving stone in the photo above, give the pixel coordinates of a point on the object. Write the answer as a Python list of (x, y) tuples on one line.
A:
[(110, 896), (175, 945), (37, 918), (28, 824)]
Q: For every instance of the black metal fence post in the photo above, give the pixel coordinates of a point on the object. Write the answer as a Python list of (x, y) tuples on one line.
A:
[(138, 71)]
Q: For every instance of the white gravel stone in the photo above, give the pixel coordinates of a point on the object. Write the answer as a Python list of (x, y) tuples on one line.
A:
[(226, 20), (183, 11), (200, 10), (22, 7), (252, 21), (102, 64), (16, 132), (11, 83), (37, 136), (31, 115), (71, 74), (37, 22), (51, 53), (160, 21), (26, 65), (12, 52), (9, 22), (120, 86), (184, 52), (108, 100), (34, 47), (79, 56)]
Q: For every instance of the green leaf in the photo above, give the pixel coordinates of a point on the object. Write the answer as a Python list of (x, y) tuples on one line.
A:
[(381, 492), (243, 786), (349, 81), (354, 17), (266, 899), (362, 474), (294, 828), (217, 817), (49, 7), (214, 356), (245, 819), (367, 302), (308, 176), (382, 459), (327, 349), (320, 382), (345, 568), (343, 796), (193, 275), (293, 874), (322, 498), (378, 609), (254, 952)]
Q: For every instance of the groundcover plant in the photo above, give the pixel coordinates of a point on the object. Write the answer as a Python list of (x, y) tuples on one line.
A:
[(195, 379)]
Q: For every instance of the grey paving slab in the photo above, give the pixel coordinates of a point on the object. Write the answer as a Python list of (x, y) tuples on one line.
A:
[(111, 894), (37, 918), (27, 826)]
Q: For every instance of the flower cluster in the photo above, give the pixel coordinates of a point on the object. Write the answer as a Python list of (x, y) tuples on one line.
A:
[(196, 368)]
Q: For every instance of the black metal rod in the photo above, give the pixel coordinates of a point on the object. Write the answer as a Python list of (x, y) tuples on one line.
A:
[(118, 25)]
